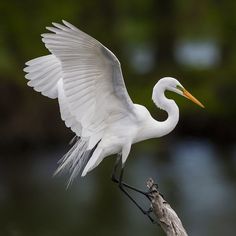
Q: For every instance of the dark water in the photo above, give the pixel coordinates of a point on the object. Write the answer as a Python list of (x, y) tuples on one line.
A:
[(195, 176)]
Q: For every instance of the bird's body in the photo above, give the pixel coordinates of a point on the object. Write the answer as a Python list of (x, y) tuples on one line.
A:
[(86, 78)]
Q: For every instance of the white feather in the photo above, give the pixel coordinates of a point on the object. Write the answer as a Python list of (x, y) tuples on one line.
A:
[(87, 79), (43, 74), (91, 76)]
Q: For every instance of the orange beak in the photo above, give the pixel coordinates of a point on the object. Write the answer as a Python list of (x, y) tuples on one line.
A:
[(192, 98)]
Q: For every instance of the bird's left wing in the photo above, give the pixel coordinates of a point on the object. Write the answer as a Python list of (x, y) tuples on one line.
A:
[(92, 78)]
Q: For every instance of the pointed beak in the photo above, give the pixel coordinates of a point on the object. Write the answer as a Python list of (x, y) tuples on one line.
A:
[(192, 98)]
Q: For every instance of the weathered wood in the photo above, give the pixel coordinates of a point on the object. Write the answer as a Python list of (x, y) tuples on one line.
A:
[(167, 217)]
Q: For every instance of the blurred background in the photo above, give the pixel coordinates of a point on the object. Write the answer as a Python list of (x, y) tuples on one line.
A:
[(195, 166)]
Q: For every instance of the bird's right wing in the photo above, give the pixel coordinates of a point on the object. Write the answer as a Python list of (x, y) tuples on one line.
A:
[(92, 79)]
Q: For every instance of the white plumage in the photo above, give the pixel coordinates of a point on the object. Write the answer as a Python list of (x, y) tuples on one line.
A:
[(86, 78)]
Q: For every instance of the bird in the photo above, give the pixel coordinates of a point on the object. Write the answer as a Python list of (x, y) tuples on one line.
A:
[(87, 80)]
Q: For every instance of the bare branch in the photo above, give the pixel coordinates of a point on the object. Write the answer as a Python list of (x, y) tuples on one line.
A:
[(168, 219)]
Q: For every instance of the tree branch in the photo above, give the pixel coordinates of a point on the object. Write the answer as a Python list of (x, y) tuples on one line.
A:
[(168, 219)]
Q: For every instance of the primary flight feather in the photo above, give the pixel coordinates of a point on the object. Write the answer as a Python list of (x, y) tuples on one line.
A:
[(87, 80)]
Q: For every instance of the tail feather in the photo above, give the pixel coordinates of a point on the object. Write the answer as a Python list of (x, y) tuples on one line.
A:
[(67, 161), (75, 160), (93, 161)]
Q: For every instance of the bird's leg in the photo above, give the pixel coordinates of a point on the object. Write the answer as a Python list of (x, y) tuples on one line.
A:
[(121, 185), (113, 175), (116, 180)]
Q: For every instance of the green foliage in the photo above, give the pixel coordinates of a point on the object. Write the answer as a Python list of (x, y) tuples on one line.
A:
[(123, 25)]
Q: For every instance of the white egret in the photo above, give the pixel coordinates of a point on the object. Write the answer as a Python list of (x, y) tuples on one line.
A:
[(87, 80)]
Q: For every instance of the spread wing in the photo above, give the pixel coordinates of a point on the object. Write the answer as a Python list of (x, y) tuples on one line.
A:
[(92, 80)]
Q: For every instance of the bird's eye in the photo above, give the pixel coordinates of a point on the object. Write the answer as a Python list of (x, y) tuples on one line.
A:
[(180, 88)]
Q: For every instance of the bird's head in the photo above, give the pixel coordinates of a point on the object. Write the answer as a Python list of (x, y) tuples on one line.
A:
[(174, 85)]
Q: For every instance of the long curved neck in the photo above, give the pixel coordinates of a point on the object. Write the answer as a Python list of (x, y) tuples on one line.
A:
[(161, 128)]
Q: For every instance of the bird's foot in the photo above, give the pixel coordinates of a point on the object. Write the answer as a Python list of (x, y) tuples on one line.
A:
[(153, 190)]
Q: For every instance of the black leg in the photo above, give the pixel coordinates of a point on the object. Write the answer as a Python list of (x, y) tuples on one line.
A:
[(121, 185), (116, 180), (146, 194)]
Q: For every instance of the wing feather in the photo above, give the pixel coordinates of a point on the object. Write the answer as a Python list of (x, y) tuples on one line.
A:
[(43, 74), (92, 79)]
